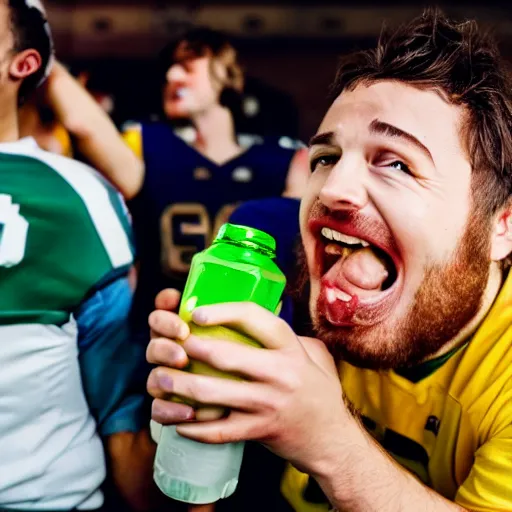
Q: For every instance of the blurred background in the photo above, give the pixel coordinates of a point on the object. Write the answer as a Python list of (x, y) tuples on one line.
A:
[(289, 49)]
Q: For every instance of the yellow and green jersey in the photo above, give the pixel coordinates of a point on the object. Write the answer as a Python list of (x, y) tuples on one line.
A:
[(448, 421)]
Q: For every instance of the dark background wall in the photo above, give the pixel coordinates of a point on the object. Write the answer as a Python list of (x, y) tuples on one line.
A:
[(289, 49)]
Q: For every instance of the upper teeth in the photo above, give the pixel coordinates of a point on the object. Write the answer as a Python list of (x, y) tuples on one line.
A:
[(182, 92), (331, 234)]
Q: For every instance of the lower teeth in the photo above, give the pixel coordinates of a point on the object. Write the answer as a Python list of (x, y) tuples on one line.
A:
[(333, 295)]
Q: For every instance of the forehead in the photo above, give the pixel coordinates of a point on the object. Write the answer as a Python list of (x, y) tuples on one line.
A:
[(424, 113)]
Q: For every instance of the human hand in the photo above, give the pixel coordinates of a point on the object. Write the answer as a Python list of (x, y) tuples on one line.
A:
[(291, 399)]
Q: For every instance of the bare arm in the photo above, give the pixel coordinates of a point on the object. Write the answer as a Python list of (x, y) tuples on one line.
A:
[(131, 457), (98, 138), (363, 478)]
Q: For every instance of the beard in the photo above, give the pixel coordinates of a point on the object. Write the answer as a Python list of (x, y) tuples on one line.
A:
[(448, 298)]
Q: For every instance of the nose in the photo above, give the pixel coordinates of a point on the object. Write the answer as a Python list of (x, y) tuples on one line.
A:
[(346, 185), (175, 73)]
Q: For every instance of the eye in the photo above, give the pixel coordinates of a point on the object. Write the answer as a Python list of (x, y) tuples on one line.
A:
[(323, 161), (400, 166)]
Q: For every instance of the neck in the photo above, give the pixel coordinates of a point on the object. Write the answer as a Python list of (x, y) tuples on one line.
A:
[(28, 120), (216, 136), (491, 292), (9, 131)]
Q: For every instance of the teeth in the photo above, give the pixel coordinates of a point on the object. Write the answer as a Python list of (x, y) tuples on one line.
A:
[(182, 92), (330, 295), (333, 294), (327, 233), (332, 234)]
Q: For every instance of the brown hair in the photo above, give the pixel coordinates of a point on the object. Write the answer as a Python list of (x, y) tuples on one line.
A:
[(30, 30), (462, 64), (201, 41)]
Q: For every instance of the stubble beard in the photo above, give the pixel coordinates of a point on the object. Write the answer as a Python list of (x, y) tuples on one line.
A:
[(447, 300)]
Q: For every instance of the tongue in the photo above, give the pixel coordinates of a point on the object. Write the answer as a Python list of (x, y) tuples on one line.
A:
[(362, 269)]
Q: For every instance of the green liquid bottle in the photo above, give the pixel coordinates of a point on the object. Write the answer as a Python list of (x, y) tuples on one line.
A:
[(238, 267)]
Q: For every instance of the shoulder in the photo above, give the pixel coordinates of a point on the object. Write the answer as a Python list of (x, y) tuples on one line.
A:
[(482, 382), (73, 198)]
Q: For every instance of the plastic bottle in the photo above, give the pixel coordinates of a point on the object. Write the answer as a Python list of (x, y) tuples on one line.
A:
[(239, 266)]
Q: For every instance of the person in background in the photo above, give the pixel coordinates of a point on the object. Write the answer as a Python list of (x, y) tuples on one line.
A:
[(68, 357), (99, 91), (183, 183), (403, 401), (37, 120)]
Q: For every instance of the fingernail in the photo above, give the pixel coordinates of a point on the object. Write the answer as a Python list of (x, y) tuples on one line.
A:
[(158, 412), (199, 316), (163, 412), (189, 415), (165, 382)]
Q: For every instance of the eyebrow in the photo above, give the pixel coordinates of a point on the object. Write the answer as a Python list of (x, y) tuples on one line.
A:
[(388, 130), (325, 139)]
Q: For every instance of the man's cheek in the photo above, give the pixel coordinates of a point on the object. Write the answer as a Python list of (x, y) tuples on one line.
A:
[(305, 208)]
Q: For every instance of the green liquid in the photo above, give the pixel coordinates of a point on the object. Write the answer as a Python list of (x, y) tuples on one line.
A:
[(238, 267), (231, 271)]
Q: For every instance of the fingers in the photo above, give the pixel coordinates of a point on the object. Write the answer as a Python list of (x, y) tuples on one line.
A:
[(168, 300), (236, 427), (249, 318), (164, 352), (171, 413), (168, 325), (164, 382), (236, 358), (210, 413)]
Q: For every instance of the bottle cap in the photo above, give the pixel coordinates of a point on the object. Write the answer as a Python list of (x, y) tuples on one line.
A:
[(247, 236)]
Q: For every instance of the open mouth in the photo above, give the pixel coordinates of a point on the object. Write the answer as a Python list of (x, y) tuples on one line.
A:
[(359, 276), (180, 93), (339, 248)]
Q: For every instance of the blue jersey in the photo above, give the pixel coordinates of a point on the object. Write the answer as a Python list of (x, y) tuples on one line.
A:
[(279, 217), (186, 197)]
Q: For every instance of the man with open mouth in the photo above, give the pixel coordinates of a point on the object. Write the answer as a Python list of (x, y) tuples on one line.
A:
[(406, 402)]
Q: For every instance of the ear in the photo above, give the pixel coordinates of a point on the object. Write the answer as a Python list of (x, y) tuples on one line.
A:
[(501, 242), (25, 63)]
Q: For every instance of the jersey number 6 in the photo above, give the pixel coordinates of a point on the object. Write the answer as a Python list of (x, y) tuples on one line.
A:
[(187, 228)]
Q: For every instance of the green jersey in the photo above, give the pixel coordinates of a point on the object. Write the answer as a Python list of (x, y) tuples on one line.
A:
[(63, 236), (61, 232)]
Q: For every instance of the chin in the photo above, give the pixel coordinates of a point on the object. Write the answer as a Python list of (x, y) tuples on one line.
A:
[(176, 112), (373, 348)]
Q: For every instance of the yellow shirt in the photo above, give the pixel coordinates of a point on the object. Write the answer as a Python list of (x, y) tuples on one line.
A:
[(133, 137), (62, 136), (452, 429)]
